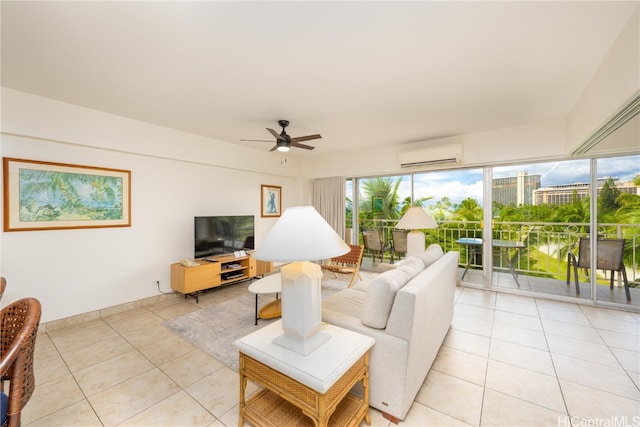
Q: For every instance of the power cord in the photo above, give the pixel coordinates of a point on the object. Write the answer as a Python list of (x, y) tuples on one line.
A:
[(164, 293)]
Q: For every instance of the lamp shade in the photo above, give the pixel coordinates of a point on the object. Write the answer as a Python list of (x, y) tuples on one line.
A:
[(301, 234), (416, 219)]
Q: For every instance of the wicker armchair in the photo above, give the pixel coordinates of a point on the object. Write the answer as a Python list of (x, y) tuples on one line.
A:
[(19, 327), (3, 286), (348, 263)]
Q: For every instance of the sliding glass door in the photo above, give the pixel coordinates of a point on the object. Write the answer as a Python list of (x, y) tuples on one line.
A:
[(529, 239), (540, 211), (618, 222)]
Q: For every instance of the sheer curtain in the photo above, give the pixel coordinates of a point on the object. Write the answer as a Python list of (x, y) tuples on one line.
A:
[(328, 197)]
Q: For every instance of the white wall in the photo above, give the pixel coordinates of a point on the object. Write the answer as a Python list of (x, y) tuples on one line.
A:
[(77, 271), (614, 83), (540, 141)]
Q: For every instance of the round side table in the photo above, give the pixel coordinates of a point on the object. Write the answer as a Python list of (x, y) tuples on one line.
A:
[(271, 284)]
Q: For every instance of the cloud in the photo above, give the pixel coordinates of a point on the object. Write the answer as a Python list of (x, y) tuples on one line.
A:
[(456, 185)]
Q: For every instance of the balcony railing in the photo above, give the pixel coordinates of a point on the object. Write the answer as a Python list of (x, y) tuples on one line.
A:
[(546, 243)]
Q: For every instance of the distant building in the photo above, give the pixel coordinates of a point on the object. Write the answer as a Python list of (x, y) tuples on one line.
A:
[(563, 194), (515, 190)]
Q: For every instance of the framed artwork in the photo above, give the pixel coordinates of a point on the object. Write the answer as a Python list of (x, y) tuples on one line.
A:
[(270, 201), (42, 195), (377, 204)]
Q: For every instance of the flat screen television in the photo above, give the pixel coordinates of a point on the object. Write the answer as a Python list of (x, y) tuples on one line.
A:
[(220, 235)]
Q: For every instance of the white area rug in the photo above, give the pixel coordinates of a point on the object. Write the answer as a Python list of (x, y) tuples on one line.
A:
[(214, 329)]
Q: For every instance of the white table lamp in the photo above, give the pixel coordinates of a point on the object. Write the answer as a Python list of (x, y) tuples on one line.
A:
[(301, 235), (415, 219)]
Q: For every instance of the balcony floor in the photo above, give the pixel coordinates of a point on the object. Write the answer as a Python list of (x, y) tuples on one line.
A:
[(553, 287), (543, 285)]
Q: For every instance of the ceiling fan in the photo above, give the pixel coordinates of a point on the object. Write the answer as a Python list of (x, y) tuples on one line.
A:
[(284, 142)]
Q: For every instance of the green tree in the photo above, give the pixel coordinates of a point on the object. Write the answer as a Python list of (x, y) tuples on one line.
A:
[(468, 210), (607, 200), (408, 203), (629, 210), (576, 211), (384, 188), (442, 210), (349, 212)]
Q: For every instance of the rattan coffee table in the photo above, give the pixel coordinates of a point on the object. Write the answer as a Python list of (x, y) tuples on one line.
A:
[(305, 390)]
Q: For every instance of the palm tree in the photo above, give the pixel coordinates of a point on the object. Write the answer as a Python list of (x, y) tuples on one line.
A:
[(629, 213), (576, 211), (442, 209), (468, 210), (384, 190)]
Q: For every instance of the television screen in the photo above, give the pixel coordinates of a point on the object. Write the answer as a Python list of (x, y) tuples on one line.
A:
[(219, 235)]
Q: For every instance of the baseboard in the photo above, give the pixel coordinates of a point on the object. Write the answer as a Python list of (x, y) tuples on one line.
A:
[(102, 313)]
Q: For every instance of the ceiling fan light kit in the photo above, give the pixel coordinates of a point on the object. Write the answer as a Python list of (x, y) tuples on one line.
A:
[(284, 142)]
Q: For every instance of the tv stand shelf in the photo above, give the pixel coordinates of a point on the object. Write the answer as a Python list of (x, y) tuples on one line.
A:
[(192, 281)]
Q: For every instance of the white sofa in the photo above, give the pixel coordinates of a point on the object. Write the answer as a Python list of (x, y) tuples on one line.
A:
[(408, 310)]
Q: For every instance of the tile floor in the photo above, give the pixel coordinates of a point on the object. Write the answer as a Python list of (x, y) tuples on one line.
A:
[(508, 360)]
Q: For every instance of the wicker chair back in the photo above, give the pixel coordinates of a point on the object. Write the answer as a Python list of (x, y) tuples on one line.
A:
[(18, 330)]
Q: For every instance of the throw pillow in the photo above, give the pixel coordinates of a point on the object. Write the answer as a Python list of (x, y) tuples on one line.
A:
[(380, 296), (431, 255)]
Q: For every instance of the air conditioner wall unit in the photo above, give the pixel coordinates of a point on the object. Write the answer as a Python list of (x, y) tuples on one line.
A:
[(436, 155)]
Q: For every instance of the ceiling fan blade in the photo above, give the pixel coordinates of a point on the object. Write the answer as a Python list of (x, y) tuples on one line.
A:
[(306, 147), (305, 138), (276, 135), (275, 147)]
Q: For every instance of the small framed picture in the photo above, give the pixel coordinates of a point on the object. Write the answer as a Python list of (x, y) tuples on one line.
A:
[(270, 201), (377, 204)]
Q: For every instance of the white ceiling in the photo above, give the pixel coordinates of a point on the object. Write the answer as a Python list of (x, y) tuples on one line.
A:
[(359, 73)]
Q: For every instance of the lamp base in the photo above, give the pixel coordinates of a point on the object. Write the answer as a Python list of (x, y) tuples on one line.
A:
[(415, 243), (302, 346), (301, 308)]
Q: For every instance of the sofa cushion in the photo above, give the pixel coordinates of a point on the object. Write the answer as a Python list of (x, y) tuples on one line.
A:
[(380, 295), (362, 285), (347, 301), (431, 255), (412, 265)]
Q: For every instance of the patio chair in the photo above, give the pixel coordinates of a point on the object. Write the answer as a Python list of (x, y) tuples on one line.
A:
[(609, 257), (348, 263), (399, 243), (18, 330), (374, 243)]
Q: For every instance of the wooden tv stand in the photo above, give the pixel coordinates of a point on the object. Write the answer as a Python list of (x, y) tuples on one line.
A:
[(227, 269)]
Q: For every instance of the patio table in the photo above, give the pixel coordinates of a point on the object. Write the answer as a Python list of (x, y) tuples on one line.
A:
[(474, 246)]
